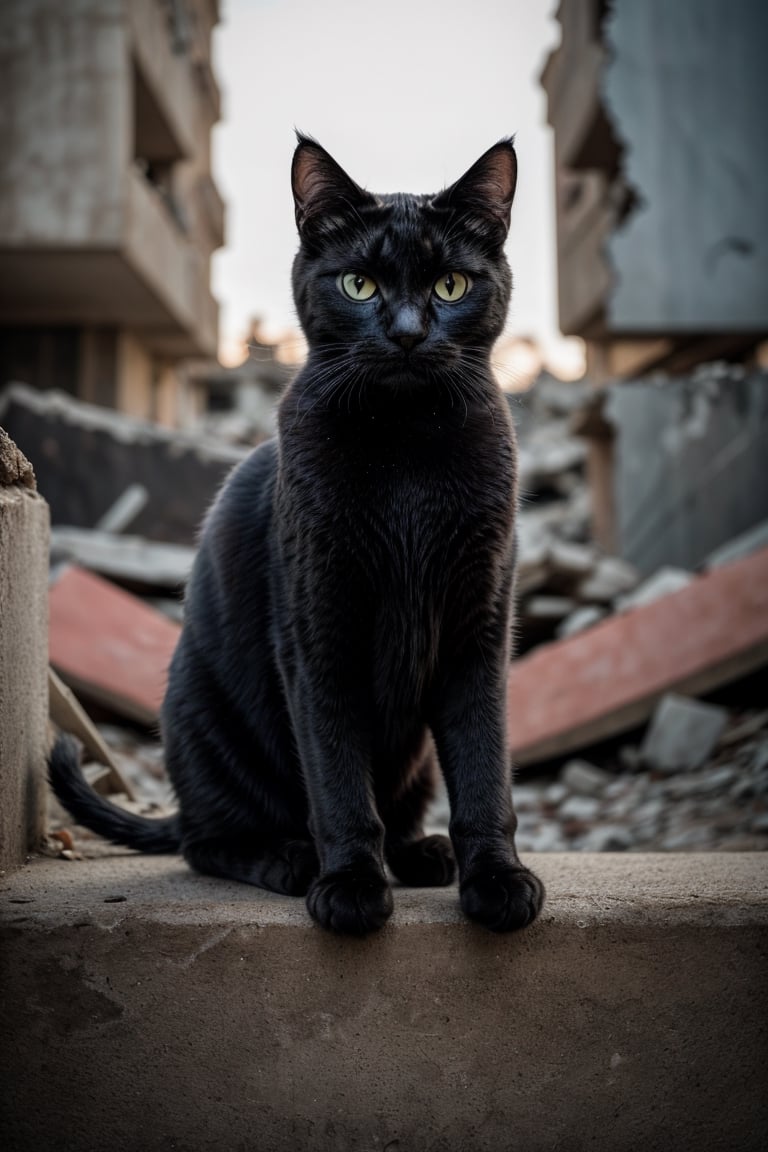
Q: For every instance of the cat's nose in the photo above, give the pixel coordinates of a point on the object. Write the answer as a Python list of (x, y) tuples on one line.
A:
[(407, 328)]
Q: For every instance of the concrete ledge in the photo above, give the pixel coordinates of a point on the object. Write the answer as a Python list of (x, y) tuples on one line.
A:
[(23, 667), (147, 1008)]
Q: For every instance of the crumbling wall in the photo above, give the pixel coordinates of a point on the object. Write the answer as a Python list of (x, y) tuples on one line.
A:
[(685, 87), (691, 467), (23, 655), (85, 457)]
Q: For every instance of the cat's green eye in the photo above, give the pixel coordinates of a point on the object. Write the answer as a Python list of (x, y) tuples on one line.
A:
[(451, 286), (358, 287)]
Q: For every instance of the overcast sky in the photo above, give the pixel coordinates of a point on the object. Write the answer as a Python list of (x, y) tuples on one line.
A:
[(405, 94)]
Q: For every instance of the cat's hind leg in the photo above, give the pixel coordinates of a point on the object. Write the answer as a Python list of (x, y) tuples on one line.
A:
[(287, 866), (417, 860)]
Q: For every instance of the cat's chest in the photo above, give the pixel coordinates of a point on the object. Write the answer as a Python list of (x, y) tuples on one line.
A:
[(406, 500), (417, 513)]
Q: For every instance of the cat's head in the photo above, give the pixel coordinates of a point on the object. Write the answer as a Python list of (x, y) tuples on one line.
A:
[(404, 283)]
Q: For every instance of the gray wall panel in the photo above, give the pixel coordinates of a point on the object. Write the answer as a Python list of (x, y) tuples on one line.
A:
[(691, 464), (686, 86)]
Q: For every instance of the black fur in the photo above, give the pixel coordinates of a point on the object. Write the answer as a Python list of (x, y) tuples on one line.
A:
[(349, 609)]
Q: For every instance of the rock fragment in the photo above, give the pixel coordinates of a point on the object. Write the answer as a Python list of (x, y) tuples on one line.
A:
[(682, 734)]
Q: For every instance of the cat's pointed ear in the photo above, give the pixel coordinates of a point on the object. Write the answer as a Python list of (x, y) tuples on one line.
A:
[(323, 194), (487, 189)]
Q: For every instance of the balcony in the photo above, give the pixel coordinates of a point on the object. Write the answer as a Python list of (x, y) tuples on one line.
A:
[(151, 279), (173, 271)]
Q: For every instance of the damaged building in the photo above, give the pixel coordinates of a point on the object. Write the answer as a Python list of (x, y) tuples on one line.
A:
[(108, 210), (662, 183)]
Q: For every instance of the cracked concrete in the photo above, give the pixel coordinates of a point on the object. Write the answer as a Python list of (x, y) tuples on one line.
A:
[(148, 1008), (23, 655)]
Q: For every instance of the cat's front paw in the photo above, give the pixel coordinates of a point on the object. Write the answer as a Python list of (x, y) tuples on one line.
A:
[(502, 897), (297, 864), (426, 863), (354, 901)]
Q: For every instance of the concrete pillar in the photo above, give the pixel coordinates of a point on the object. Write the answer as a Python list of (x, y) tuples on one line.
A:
[(23, 655)]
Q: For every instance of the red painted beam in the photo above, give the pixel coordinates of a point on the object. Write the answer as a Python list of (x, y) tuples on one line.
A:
[(609, 679), (110, 646)]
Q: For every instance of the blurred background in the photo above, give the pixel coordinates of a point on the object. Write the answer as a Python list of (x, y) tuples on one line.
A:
[(147, 332)]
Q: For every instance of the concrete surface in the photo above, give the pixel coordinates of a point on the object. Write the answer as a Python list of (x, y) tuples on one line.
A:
[(144, 1007), (23, 669)]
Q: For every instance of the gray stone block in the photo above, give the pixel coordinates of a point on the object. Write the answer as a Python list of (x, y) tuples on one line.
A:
[(682, 734), (585, 779)]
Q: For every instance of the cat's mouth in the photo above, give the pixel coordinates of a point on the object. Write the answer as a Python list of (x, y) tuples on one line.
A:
[(411, 367)]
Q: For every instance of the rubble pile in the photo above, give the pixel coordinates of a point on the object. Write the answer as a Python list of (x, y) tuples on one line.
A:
[(700, 777), (564, 582), (661, 796)]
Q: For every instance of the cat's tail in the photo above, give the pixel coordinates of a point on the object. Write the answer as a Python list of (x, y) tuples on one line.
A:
[(89, 808)]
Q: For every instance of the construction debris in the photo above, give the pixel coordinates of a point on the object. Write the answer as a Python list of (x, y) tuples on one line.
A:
[(69, 715), (682, 734), (580, 619), (610, 579), (128, 560), (615, 645), (564, 581), (584, 778), (609, 678), (124, 510), (620, 806), (109, 646), (580, 806), (663, 583), (14, 466), (740, 546), (86, 457)]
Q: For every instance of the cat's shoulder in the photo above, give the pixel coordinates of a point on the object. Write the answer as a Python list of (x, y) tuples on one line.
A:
[(259, 467), (248, 490)]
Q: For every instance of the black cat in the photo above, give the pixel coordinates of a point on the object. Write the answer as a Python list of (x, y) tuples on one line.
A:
[(349, 609)]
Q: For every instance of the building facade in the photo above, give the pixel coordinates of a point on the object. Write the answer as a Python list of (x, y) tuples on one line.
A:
[(662, 181), (108, 210)]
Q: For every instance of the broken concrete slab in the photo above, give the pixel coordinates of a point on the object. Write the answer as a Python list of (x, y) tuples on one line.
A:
[(682, 734), (579, 808), (611, 577), (547, 608), (70, 443), (652, 968), (661, 583), (582, 618), (130, 560), (124, 510), (109, 646), (548, 453), (585, 779), (609, 679), (571, 560), (690, 465)]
